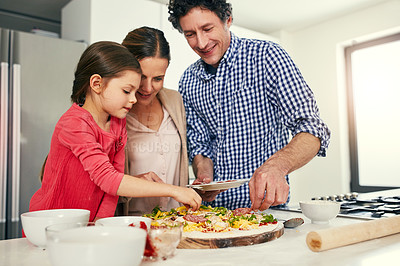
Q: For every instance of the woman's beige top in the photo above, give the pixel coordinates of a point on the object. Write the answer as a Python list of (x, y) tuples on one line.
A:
[(163, 152)]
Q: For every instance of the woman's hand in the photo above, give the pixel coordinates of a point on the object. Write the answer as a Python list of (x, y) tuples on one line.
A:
[(150, 176), (187, 196)]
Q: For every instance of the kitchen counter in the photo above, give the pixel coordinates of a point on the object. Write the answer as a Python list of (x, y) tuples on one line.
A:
[(289, 249)]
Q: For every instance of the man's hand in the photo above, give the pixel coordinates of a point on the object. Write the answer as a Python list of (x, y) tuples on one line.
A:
[(268, 187), (206, 195), (203, 169)]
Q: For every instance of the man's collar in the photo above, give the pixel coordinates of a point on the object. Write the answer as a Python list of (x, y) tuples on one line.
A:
[(228, 58), (231, 53)]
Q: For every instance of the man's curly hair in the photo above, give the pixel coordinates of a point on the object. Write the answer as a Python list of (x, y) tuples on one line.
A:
[(179, 8)]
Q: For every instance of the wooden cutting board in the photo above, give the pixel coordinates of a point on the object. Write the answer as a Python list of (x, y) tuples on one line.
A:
[(209, 243)]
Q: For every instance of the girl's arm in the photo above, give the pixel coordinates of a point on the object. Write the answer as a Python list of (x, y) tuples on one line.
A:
[(131, 186), (79, 134)]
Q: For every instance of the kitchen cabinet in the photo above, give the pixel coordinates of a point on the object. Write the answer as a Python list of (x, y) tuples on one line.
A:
[(95, 20), (103, 20)]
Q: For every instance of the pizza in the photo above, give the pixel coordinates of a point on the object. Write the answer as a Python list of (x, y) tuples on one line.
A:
[(215, 222)]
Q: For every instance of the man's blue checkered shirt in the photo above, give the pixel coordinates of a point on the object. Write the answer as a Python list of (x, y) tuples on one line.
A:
[(243, 114)]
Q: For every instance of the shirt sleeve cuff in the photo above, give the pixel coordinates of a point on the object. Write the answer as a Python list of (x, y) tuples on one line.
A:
[(322, 132), (114, 186), (205, 151)]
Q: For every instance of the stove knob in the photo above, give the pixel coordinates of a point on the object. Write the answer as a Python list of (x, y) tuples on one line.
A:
[(332, 198), (354, 195), (323, 198), (377, 214), (317, 198), (340, 197), (347, 196)]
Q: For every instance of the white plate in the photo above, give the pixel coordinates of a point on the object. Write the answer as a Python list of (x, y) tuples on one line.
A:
[(219, 185)]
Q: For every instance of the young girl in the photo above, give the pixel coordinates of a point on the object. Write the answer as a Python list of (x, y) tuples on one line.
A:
[(85, 165)]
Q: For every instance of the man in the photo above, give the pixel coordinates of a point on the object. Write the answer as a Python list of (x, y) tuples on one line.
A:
[(242, 98)]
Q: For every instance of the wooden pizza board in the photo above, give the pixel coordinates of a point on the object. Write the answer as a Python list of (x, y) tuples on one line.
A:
[(209, 243)]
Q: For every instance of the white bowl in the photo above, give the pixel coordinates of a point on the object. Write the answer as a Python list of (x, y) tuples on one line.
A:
[(34, 223), (320, 211), (95, 245), (125, 221)]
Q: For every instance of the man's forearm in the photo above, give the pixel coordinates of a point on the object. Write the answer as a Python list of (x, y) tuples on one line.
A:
[(298, 152), (203, 167)]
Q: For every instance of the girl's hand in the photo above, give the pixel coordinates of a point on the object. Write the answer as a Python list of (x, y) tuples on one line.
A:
[(187, 196), (150, 176)]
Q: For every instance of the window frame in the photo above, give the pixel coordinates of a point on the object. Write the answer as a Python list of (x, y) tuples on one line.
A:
[(352, 130)]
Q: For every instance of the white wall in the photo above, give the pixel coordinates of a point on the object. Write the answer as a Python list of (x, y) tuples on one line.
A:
[(181, 54), (318, 52), (96, 20), (250, 34)]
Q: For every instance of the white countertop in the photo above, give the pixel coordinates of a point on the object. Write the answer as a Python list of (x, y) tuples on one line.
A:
[(289, 249)]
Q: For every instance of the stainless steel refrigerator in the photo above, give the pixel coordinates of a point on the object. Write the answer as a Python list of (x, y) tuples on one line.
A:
[(36, 84)]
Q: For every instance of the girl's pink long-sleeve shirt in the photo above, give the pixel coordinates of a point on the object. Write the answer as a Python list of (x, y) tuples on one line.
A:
[(84, 167)]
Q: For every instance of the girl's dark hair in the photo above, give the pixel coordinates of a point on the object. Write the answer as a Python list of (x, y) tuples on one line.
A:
[(147, 42), (179, 8), (107, 59)]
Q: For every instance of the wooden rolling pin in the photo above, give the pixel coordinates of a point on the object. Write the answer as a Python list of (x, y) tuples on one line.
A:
[(354, 233)]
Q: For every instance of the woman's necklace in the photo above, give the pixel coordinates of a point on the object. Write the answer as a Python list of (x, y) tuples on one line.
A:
[(150, 116)]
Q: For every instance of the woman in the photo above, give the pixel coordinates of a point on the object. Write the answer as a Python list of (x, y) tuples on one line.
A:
[(156, 124)]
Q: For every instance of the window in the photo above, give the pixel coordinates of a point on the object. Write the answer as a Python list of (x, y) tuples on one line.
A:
[(373, 86)]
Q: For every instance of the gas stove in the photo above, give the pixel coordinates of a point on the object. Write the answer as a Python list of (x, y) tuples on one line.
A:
[(376, 207), (354, 206)]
